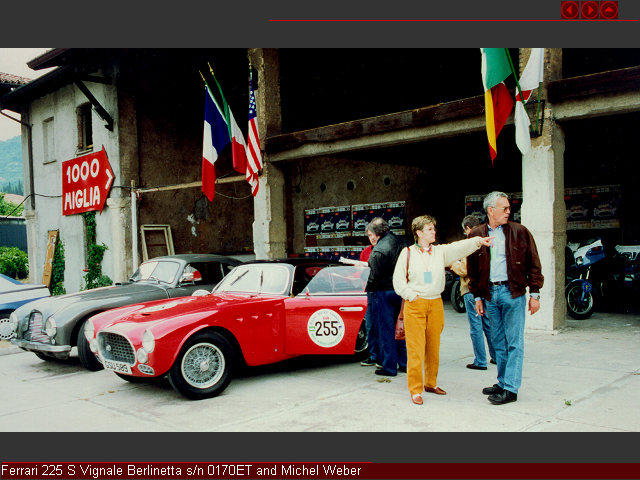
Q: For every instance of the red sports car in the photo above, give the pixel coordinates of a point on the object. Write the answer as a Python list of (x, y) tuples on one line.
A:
[(262, 312)]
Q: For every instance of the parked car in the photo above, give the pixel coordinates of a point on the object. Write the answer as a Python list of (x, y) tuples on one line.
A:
[(51, 327), (14, 294), (263, 312)]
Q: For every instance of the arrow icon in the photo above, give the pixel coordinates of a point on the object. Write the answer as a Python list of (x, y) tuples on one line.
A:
[(609, 10), (109, 180)]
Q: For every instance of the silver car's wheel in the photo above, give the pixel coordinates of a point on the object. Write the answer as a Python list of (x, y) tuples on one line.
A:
[(6, 331), (203, 367)]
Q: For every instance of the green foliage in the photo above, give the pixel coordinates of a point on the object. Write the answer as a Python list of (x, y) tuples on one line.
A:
[(95, 253), (14, 262), (8, 208), (57, 270)]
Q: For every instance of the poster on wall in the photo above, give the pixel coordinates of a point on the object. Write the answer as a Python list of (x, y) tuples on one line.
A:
[(578, 204), (327, 220), (605, 203), (473, 206)]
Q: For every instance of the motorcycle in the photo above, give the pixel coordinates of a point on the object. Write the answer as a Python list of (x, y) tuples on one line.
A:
[(594, 278), (452, 291), (579, 291)]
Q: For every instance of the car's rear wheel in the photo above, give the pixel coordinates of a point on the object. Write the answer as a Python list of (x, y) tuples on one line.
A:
[(457, 300), (6, 332), (86, 356), (203, 368), (362, 342)]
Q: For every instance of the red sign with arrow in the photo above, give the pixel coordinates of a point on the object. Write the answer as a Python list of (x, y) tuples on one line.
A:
[(86, 182)]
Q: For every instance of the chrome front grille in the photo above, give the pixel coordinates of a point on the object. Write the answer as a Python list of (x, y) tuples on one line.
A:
[(35, 333), (116, 347)]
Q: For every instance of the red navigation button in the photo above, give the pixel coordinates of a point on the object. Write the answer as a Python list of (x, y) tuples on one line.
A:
[(609, 10), (569, 10), (590, 10)]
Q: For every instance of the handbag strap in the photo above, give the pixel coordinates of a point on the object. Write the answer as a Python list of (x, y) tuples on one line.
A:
[(408, 255)]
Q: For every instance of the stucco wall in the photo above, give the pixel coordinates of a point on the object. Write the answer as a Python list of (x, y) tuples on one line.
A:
[(61, 105)]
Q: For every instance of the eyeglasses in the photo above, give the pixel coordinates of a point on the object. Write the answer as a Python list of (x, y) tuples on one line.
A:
[(504, 209)]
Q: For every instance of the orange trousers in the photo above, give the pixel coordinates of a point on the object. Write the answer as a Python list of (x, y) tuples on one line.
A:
[(423, 324)]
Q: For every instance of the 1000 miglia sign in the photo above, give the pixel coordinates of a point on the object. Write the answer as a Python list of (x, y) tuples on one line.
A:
[(86, 181)]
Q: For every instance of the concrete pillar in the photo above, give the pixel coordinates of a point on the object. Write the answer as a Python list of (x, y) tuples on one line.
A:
[(543, 208), (269, 226), (120, 216), (35, 273)]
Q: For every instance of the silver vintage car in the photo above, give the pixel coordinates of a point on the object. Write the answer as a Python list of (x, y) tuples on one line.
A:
[(51, 327)]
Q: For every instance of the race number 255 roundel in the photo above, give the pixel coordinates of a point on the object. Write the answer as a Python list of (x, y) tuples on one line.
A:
[(326, 328)]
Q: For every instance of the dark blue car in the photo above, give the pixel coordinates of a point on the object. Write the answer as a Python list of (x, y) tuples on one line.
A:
[(14, 294)]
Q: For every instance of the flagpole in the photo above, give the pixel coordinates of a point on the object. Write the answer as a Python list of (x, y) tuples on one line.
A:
[(515, 76), (225, 105)]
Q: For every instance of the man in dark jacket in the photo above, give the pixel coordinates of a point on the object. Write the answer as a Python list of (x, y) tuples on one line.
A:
[(500, 275), (385, 305)]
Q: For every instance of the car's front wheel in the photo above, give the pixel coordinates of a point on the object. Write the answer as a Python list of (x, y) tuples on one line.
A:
[(86, 356), (6, 331), (203, 368)]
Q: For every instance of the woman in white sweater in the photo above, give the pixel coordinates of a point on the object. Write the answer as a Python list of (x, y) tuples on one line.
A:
[(421, 287)]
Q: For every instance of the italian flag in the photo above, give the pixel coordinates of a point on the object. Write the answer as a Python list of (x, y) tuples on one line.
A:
[(498, 103)]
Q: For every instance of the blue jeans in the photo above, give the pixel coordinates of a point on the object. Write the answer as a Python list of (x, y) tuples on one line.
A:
[(506, 315), (384, 313), (372, 332), (478, 325)]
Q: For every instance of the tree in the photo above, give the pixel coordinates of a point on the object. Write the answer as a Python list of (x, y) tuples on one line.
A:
[(9, 208)]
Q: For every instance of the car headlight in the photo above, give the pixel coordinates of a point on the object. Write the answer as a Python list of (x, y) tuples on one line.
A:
[(50, 327), (89, 330), (148, 341), (13, 321), (142, 355)]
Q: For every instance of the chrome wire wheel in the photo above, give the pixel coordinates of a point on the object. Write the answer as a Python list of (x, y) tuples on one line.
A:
[(203, 365), (6, 330)]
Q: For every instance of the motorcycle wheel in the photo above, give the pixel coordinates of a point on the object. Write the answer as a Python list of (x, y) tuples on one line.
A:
[(457, 300), (579, 302)]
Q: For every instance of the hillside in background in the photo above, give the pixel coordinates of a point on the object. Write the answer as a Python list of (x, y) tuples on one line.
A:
[(11, 165)]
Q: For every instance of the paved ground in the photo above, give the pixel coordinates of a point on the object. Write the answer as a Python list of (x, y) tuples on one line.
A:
[(585, 378)]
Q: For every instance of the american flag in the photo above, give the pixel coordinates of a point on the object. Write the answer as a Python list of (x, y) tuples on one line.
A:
[(254, 157)]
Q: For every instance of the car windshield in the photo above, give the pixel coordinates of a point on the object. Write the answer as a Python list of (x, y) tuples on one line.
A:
[(154, 270), (335, 280), (256, 278)]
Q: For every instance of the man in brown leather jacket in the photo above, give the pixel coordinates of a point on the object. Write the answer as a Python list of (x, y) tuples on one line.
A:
[(500, 275)]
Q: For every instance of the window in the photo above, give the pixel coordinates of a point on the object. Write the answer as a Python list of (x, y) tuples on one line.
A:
[(85, 128), (49, 143)]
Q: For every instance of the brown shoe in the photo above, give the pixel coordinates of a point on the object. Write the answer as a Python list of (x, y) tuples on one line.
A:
[(437, 390), (417, 399)]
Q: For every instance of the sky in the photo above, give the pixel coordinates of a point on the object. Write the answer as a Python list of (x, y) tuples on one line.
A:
[(14, 61)]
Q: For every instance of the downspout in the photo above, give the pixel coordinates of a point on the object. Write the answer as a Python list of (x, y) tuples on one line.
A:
[(27, 125)]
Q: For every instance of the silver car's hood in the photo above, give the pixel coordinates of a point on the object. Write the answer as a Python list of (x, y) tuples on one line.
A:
[(114, 295)]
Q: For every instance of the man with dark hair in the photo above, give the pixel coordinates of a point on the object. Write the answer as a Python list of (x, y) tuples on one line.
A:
[(385, 302), (477, 323), (500, 275)]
